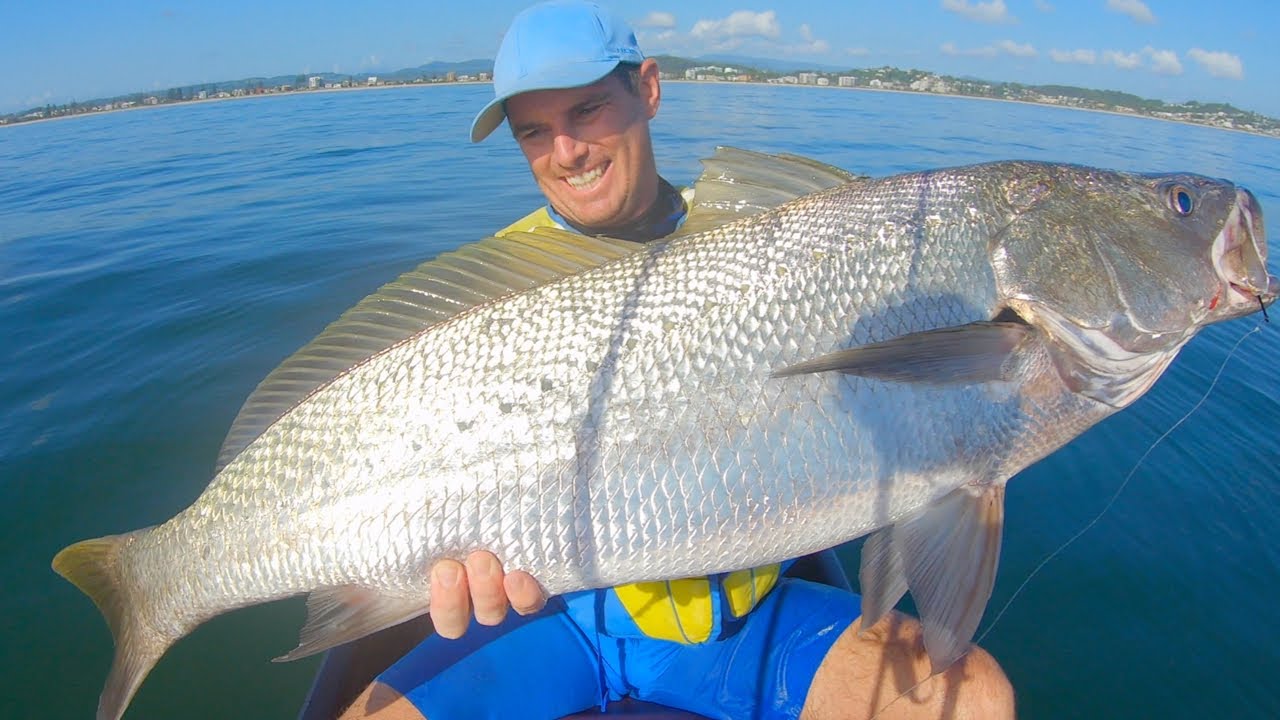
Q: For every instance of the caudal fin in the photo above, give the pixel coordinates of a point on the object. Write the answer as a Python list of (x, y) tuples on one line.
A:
[(94, 567)]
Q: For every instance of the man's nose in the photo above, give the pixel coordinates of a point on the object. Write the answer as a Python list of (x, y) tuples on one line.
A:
[(569, 150)]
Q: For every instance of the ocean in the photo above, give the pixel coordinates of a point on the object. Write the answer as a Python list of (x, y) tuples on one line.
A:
[(156, 264)]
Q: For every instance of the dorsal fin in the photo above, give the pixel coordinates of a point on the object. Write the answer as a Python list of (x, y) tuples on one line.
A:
[(734, 184), (737, 183), (430, 293)]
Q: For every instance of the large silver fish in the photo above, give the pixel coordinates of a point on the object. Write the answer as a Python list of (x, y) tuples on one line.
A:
[(879, 356)]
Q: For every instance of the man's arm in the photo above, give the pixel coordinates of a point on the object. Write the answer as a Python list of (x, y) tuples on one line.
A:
[(380, 702)]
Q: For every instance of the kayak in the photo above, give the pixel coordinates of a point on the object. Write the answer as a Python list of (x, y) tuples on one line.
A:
[(346, 670)]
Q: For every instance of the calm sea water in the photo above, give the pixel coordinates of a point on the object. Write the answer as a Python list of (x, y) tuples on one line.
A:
[(155, 265)]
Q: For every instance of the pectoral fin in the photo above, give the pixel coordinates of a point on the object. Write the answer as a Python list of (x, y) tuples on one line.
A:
[(974, 353), (342, 614), (947, 556)]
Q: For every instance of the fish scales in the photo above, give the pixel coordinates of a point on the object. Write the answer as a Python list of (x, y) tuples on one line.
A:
[(878, 357), (679, 338)]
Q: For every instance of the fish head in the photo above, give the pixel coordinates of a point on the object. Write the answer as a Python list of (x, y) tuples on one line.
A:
[(1120, 270)]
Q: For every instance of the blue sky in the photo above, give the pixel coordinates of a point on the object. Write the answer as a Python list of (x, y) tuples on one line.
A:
[(54, 51)]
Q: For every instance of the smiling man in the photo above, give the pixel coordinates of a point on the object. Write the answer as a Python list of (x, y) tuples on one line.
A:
[(578, 95), (589, 150), (588, 147)]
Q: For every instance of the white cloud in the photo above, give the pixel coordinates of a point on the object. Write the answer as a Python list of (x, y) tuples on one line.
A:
[(1010, 47), (1163, 62), (739, 24), (1122, 60), (811, 44), (657, 20), (1004, 47), (1135, 9), (993, 11), (1043, 6), (1219, 64), (741, 31), (1079, 57), (949, 48), (34, 100)]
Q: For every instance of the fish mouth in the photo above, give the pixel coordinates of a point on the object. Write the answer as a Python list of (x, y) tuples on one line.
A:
[(1240, 258)]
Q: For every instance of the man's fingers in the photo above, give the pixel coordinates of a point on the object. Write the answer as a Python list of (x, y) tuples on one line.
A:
[(484, 574), (480, 587), (525, 594), (450, 599)]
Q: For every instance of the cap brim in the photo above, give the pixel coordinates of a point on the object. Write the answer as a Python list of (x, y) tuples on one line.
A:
[(571, 76), (489, 119)]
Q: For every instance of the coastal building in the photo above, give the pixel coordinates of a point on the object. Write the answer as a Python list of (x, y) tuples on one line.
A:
[(930, 83), (847, 81)]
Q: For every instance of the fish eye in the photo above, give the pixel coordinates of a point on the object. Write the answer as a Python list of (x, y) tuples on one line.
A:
[(1181, 201)]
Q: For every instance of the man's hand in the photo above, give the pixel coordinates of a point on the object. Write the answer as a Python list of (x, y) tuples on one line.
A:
[(480, 583)]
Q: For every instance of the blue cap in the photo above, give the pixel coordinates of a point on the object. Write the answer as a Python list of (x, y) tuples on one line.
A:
[(553, 45)]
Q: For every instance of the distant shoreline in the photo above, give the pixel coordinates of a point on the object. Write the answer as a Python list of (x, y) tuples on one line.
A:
[(254, 96), (990, 99), (357, 88)]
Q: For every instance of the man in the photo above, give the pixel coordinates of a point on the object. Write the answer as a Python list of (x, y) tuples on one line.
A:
[(578, 95)]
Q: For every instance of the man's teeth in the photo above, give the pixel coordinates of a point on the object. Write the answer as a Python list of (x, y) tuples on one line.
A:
[(586, 178)]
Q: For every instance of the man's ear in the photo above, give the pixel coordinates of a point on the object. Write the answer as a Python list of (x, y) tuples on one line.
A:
[(650, 88)]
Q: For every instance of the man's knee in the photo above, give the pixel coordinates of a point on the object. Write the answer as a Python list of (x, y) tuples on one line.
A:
[(885, 672), (983, 690)]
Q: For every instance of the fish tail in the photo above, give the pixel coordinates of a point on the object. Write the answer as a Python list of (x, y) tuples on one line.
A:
[(94, 567)]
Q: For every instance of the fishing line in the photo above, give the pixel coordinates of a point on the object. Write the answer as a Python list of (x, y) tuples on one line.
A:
[(1116, 495), (1088, 526)]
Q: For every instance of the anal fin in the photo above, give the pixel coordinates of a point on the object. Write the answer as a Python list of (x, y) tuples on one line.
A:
[(341, 614), (881, 578), (947, 556)]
